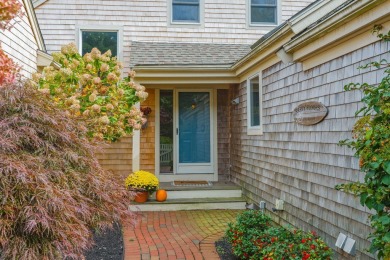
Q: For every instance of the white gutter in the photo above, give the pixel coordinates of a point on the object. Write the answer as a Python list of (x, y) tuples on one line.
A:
[(341, 16), (285, 28), (310, 15)]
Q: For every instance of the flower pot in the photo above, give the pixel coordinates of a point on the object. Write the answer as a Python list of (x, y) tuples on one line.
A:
[(141, 196)]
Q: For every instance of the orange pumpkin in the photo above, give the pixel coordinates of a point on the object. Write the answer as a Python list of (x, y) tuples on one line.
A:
[(161, 195)]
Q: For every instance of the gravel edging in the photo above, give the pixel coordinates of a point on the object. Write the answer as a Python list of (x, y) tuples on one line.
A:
[(108, 245), (224, 249)]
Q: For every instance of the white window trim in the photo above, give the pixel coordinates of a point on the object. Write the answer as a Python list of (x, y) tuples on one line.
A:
[(278, 16), (185, 24), (101, 28), (254, 130)]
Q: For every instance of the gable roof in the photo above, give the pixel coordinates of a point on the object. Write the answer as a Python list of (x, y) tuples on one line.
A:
[(170, 53)]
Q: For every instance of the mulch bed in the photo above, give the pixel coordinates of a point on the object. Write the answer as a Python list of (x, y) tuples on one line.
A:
[(108, 245), (224, 249)]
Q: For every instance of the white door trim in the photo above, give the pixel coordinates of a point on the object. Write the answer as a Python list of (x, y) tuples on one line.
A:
[(188, 168), (167, 177)]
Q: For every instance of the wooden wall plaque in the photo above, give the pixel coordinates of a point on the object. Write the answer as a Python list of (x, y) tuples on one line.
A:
[(310, 113)]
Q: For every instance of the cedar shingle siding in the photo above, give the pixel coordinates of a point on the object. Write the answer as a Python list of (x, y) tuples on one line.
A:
[(223, 117), (20, 44), (302, 164), (225, 21)]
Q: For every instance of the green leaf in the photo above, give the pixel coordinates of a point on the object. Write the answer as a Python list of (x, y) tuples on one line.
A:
[(385, 220), (370, 203), (375, 165), (369, 134), (386, 238), (386, 180), (363, 198), (386, 166), (370, 174)]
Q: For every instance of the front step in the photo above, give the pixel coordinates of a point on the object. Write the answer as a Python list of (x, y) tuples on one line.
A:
[(190, 204), (201, 194)]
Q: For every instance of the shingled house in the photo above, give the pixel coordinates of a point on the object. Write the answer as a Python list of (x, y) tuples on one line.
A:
[(24, 42), (224, 78)]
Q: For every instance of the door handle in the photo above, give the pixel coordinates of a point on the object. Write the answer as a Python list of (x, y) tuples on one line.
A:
[(177, 131)]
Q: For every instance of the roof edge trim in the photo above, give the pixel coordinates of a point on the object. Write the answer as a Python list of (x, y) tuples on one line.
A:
[(37, 3), (34, 24), (281, 30)]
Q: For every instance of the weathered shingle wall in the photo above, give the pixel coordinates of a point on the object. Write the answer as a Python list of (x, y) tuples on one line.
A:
[(20, 44), (148, 152), (223, 117), (302, 164), (225, 21), (117, 157)]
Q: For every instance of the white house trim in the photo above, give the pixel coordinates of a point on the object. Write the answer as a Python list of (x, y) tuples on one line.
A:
[(183, 23), (266, 26), (37, 3), (34, 24), (254, 130), (136, 148)]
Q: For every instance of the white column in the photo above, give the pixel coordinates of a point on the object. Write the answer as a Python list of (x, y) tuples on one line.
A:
[(136, 147)]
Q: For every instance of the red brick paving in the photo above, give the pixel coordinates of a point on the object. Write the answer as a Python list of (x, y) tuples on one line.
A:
[(176, 234)]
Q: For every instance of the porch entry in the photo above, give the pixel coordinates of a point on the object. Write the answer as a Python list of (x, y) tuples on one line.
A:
[(186, 134)]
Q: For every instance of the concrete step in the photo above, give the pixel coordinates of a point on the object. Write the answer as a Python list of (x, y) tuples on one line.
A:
[(201, 194), (189, 204)]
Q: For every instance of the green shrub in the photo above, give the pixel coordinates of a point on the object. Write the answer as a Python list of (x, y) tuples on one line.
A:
[(253, 237), (371, 142)]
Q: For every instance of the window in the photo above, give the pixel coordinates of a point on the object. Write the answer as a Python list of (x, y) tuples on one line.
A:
[(103, 40), (263, 12), (254, 105), (186, 11)]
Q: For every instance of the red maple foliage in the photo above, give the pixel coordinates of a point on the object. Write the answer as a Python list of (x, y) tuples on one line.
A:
[(53, 193)]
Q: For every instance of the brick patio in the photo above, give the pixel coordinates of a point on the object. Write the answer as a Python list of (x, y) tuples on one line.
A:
[(176, 234)]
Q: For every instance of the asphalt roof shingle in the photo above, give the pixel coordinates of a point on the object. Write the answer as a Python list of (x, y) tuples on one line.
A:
[(170, 53)]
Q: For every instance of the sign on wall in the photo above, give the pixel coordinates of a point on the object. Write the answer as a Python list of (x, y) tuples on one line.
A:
[(310, 113)]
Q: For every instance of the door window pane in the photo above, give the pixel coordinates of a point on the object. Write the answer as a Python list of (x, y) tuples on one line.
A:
[(166, 131), (263, 11), (254, 101), (104, 41), (185, 11)]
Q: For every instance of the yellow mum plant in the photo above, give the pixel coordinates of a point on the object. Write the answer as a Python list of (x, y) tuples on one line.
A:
[(142, 180)]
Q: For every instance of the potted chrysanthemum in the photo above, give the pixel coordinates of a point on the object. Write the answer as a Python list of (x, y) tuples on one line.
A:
[(143, 183)]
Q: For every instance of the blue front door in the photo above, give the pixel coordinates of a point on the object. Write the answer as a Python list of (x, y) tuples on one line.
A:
[(194, 130)]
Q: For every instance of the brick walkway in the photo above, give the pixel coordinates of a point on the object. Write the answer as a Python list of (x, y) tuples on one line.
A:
[(176, 234)]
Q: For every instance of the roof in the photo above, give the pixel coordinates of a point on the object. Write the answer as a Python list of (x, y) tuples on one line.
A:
[(326, 16), (277, 28), (170, 53)]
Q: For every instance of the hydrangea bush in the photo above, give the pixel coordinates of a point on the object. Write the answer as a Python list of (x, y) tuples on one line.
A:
[(90, 88), (254, 237), (142, 181)]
